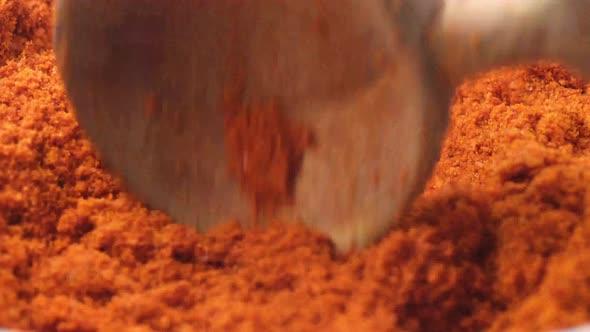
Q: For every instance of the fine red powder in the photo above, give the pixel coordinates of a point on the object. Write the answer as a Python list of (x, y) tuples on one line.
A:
[(499, 241), (264, 151)]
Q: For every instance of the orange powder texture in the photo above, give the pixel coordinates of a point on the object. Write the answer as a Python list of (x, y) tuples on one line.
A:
[(24, 22), (499, 241), (264, 152)]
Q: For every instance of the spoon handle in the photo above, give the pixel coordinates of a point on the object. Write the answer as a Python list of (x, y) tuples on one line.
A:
[(471, 36)]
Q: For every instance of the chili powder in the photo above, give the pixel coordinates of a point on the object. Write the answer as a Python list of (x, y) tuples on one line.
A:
[(264, 151), (499, 240)]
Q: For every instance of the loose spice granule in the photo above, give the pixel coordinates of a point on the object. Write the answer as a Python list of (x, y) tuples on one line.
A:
[(498, 241), (264, 151), (24, 22)]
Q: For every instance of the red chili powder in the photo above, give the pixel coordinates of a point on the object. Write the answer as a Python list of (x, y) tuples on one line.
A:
[(264, 151), (499, 241)]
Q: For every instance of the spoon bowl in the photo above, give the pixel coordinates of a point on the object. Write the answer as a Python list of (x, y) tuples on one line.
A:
[(370, 80)]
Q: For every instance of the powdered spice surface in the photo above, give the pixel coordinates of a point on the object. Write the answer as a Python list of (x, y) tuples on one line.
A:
[(499, 241), (264, 151)]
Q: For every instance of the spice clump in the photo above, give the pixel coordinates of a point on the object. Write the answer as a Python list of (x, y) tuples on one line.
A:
[(264, 151), (499, 241)]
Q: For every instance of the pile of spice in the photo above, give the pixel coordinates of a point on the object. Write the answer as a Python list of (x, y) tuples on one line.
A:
[(499, 241)]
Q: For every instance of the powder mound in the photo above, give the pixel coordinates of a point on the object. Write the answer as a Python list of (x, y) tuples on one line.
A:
[(24, 22), (498, 241)]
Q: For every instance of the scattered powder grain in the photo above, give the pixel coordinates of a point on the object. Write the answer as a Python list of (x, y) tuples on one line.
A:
[(499, 241), (264, 151), (24, 22)]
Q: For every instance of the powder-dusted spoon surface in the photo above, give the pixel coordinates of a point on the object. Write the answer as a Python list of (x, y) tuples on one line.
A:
[(370, 79)]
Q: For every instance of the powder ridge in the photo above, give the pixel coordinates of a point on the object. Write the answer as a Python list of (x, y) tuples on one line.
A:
[(498, 241)]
